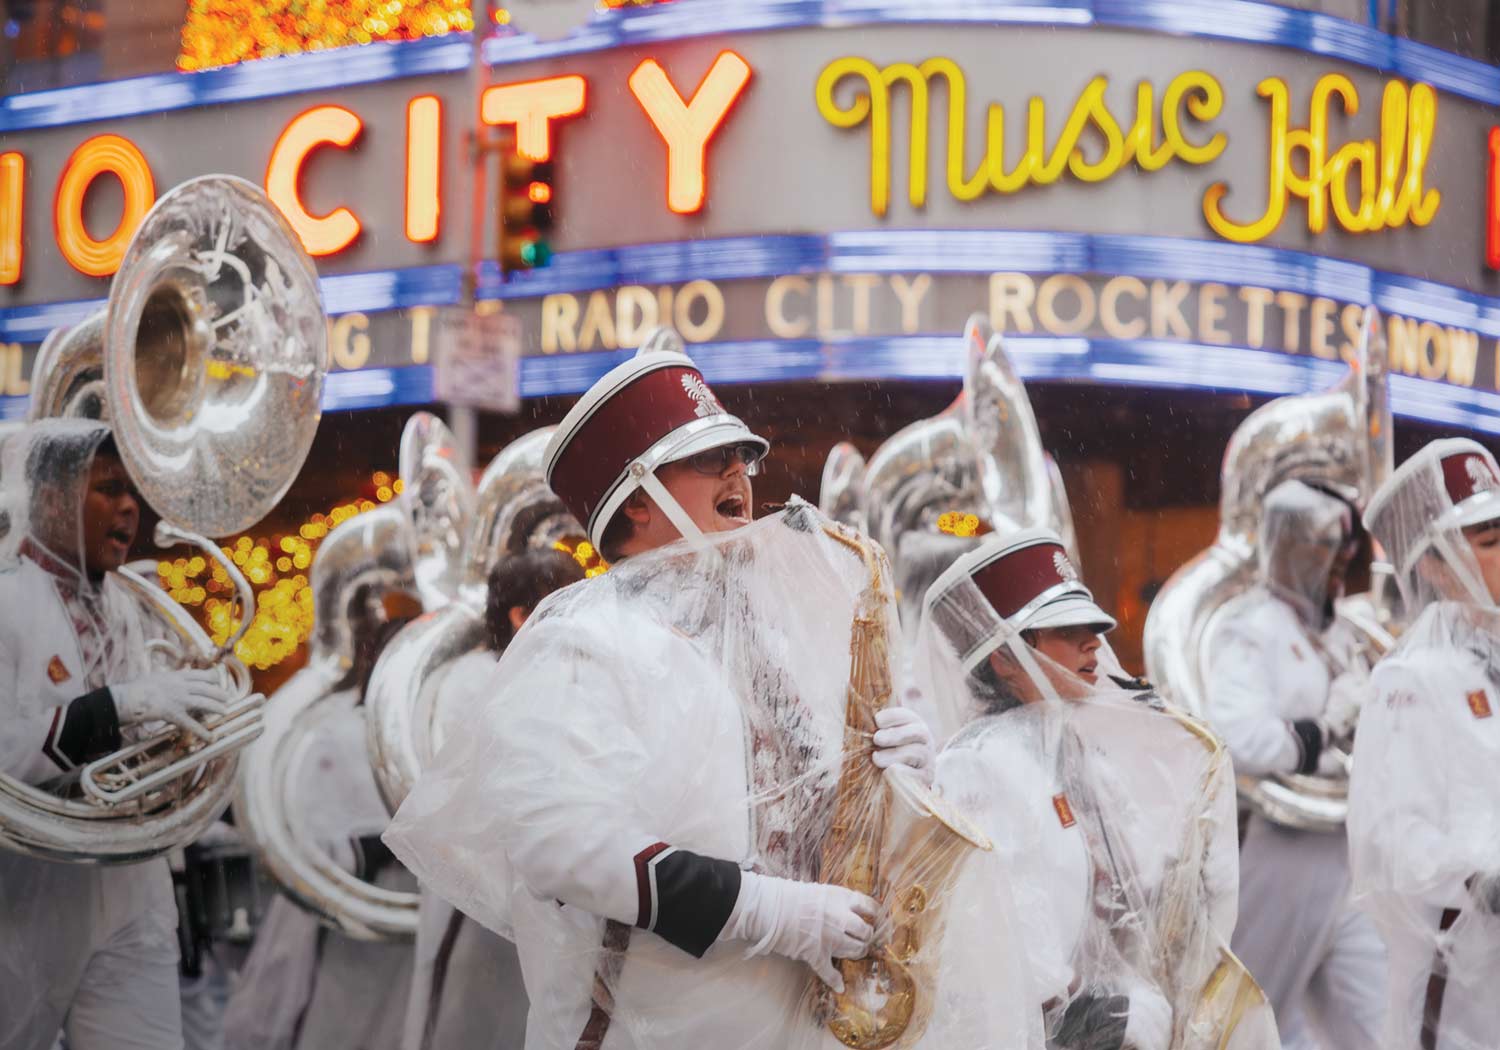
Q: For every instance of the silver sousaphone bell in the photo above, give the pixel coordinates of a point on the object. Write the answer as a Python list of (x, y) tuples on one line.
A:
[(981, 455)]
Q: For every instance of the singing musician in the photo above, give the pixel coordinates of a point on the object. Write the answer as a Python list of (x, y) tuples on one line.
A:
[(1424, 797), (89, 950), (1060, 761), (1282, 694), (467, 992), (641, 802)]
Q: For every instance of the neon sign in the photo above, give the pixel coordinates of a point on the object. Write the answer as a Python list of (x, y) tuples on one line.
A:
[(12, 172), (100, 155), (1156, 136), (1386, 198), (1492, 203), (319, 126), (532, 106), (424, 205), (1363, 185), (686, 127)]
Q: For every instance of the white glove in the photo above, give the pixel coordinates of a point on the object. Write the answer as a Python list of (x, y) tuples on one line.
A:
[(1333, 763), (1148, 1026), (802, 920), (1345, 697), (902, 738), (171, 696)]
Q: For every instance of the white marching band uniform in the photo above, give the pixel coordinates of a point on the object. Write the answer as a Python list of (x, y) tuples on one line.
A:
[(688, 704), (1115, 819), (305, 986), (1268, 689), (85, 948), (1424, 807), (467, 992), (659, 741), (643, 800)]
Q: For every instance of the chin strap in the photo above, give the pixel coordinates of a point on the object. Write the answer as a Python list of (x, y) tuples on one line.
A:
[(669, 505), (1457, 564), (1027, 659)]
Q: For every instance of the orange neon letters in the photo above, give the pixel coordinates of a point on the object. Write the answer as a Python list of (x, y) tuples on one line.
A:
[(12, 171), (321, 125), (1491, 204), (687, 127), (424, 125), (532, 106), (123, 159)]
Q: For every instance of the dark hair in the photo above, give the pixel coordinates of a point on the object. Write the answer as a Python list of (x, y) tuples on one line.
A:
[(370, 641), (616, 534), (524, 580), (993, 694)]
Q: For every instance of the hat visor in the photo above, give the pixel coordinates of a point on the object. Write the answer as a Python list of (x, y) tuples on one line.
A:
[(728, 431), (1479, 508), (1072, 610)]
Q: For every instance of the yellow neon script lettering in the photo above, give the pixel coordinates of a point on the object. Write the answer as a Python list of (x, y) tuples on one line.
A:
[(1195, 95), (1386, 196)]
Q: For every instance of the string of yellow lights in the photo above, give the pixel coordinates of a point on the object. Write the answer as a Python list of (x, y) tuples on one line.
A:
[(276, 567), (223, 32)]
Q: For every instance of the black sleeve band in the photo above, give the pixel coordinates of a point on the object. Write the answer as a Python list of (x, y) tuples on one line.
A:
[(90, 728), (1309, 745), (1092, 1022), (684, 898), (371, 856)]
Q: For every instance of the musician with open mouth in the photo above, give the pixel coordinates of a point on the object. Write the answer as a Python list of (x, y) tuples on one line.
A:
[(642, 800), (90, 950), (1114, 817), (1424, 796), (1285, 694)]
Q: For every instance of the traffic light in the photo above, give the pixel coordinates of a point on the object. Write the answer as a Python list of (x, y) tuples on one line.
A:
[(526, 203)]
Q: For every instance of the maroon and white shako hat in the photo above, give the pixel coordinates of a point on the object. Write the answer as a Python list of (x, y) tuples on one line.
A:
[(1472, 480), (1030, 582), (652, 410), (1447, 485)]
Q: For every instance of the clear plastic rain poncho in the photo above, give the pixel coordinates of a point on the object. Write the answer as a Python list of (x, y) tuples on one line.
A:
[(55, 916), (1424, 798), (43, 480), (1302, 533), (1115, 818), (697, 696), (301, 984)]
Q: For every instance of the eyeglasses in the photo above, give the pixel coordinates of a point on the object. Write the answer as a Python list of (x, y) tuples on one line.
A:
[(716, 461)]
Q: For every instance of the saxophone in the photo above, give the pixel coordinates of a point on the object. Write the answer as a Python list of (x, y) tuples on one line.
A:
[(887, 995)]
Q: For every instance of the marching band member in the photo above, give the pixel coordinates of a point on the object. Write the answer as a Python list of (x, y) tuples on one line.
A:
[(1282, 697), (643, 800), (1424, 812), (305, 986), (1115, 819), (466, 989), (86, 949)]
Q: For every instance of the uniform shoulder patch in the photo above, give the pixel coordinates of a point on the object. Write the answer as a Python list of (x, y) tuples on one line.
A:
[(1479, 704), (1064, 810), (58, 671)]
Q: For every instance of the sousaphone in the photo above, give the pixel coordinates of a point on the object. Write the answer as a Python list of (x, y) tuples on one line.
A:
[(208, 361), (982, 455), (404, 706), (1340, 437), (405, 546)]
